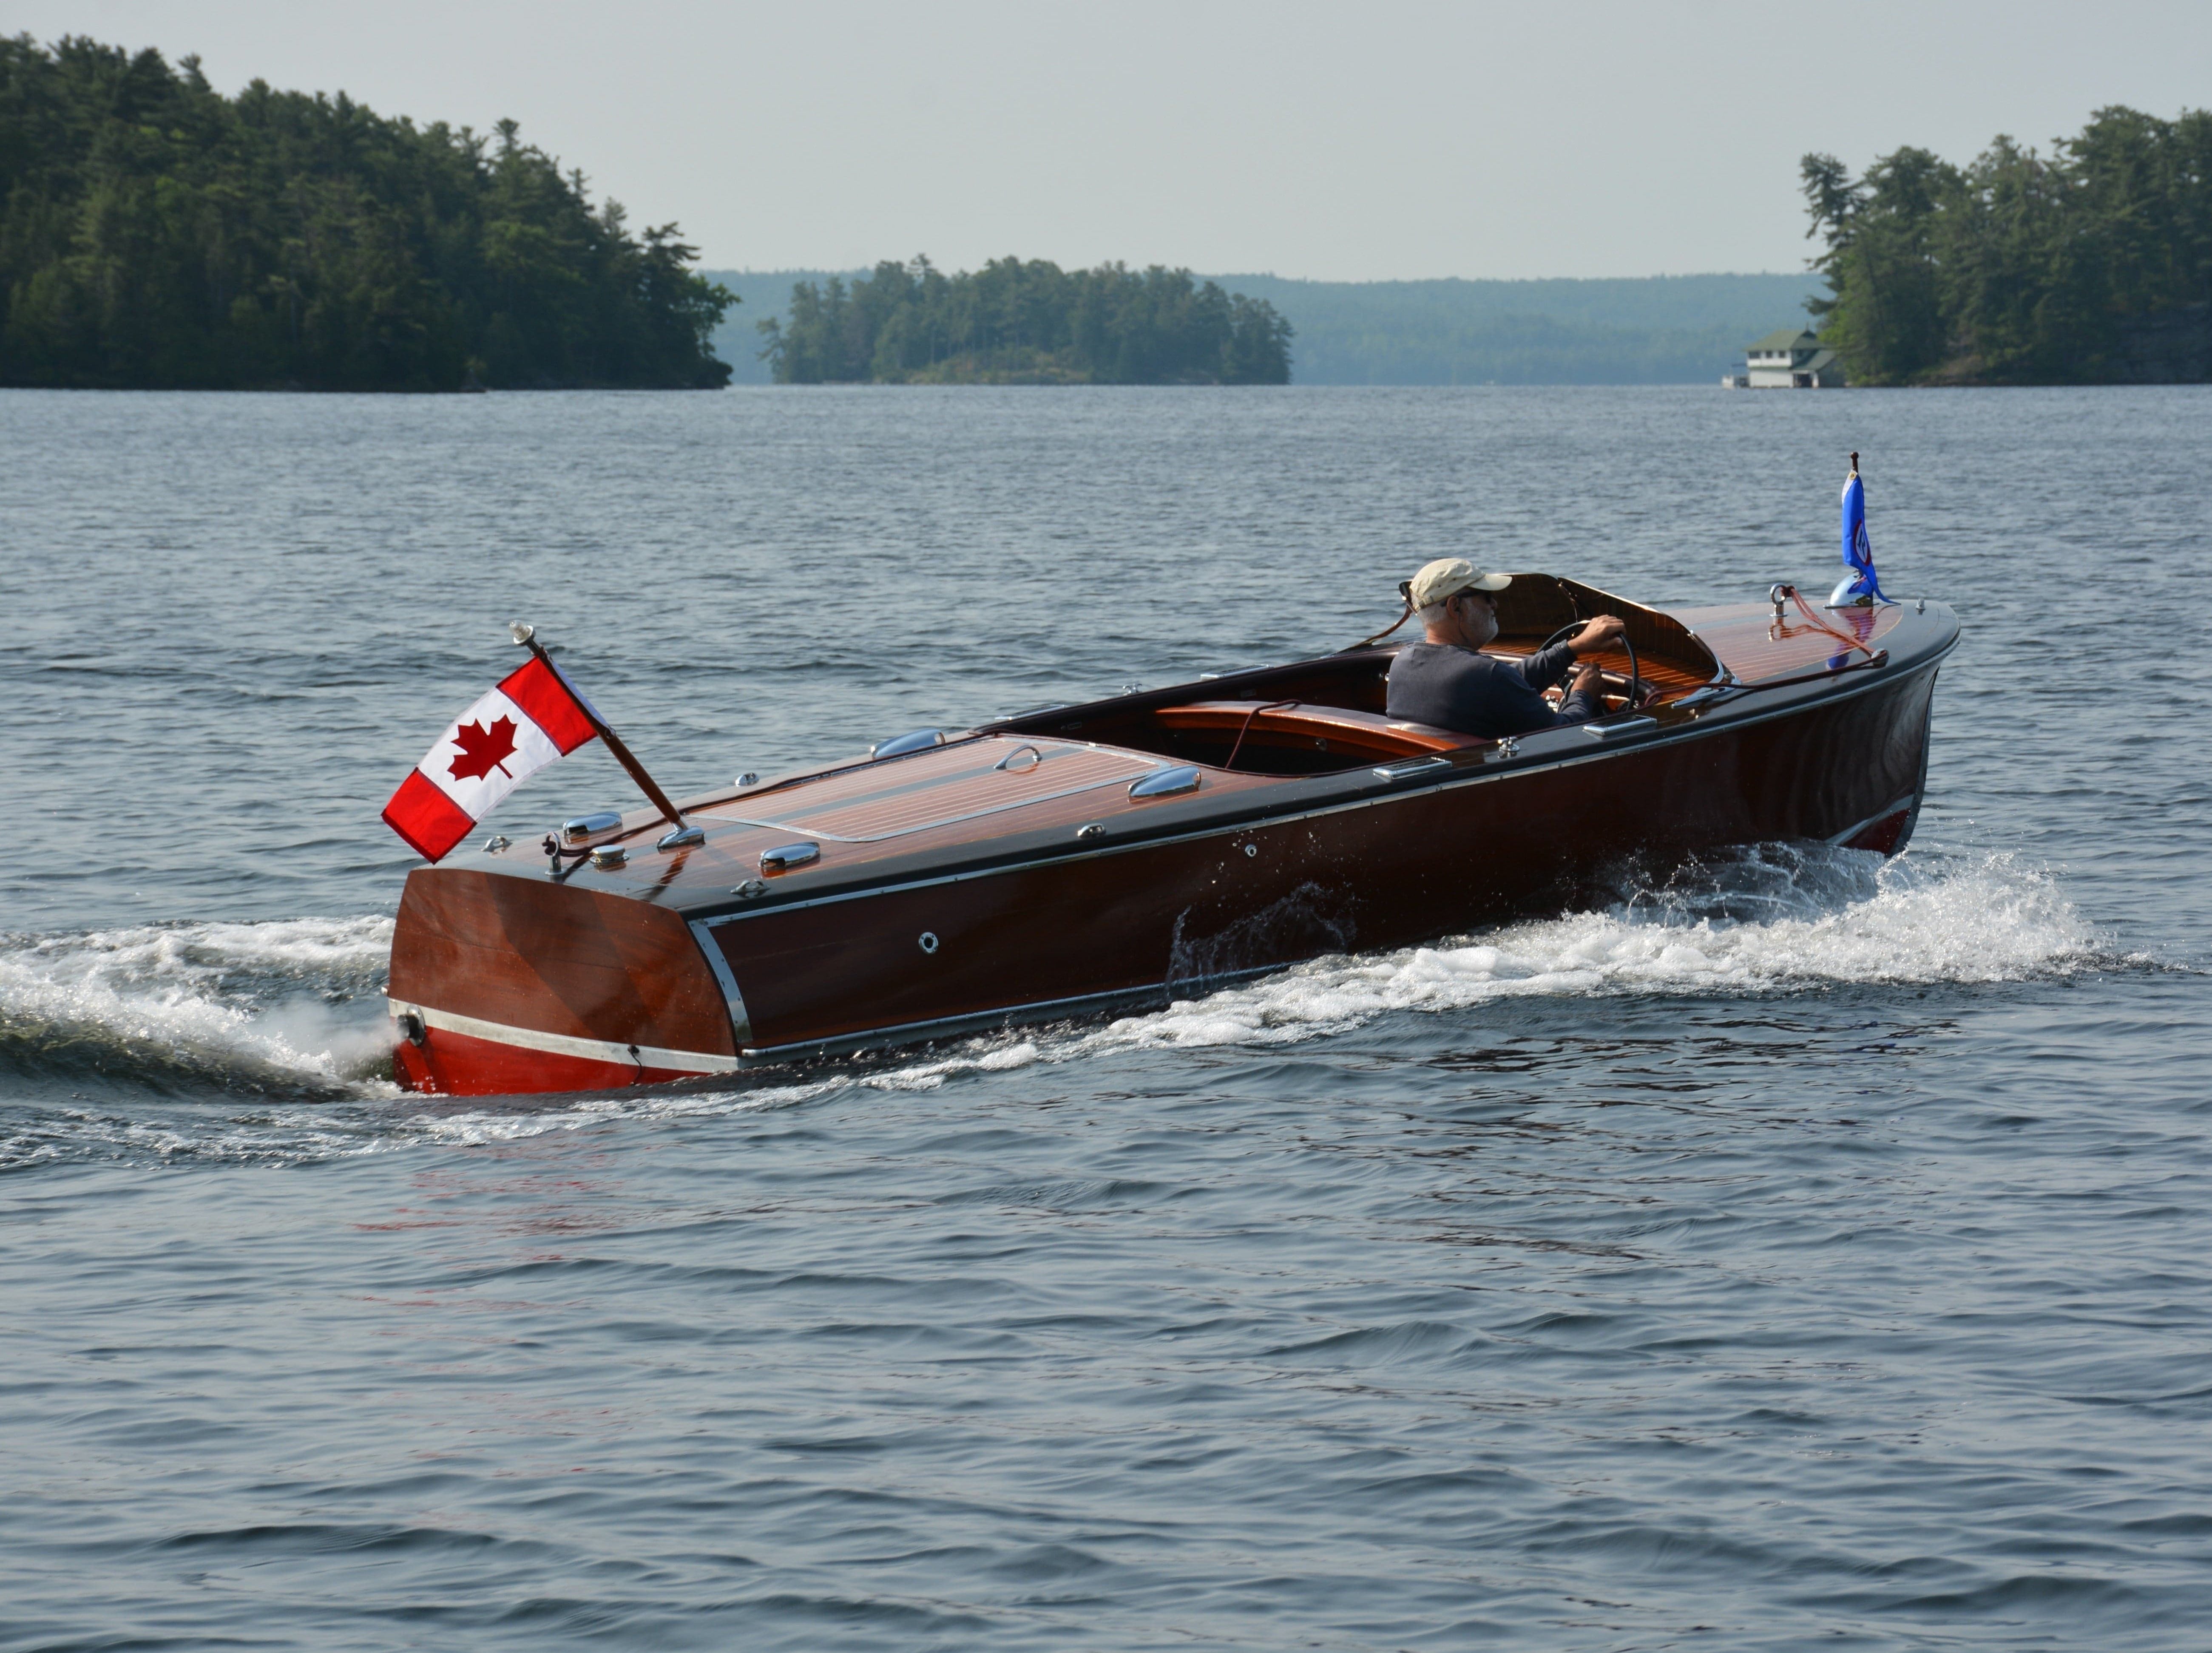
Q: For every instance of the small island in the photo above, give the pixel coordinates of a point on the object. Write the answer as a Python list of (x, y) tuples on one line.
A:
[(157, 236), (2090, 265), (1014, 322)]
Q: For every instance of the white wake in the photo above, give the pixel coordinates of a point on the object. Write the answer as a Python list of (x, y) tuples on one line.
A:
[(301, 1000)]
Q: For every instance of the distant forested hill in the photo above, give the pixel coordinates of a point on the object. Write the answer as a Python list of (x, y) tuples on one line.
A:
[(1656, 330), (1024, 322), (154, 233), (2092, 264), (1639, 330)]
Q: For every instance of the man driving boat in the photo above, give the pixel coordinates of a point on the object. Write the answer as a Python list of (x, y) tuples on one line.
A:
[(1445, 682)]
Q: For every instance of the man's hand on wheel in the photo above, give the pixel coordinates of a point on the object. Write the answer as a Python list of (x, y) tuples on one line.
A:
[(1606, 629), (1588, 679)]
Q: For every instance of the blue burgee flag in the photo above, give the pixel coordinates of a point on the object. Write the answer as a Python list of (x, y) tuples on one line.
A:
[(1859, 553)]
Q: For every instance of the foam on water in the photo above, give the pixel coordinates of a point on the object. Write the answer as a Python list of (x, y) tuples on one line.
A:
[(1771, 920), (300, 1001), (283, 1000)]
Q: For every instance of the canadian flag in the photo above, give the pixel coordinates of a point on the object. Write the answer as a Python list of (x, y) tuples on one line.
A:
[(533, 718)]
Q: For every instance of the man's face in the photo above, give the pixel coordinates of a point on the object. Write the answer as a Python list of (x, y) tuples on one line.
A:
[(1478, 616)]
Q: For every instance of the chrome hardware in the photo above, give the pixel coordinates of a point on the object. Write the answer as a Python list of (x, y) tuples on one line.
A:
[(1091, 830), (1508, 747), (1405, 767), (741, 1023), (748, 779), (1778, 595), (1251, 849), (678, 837), (521, 632), (784, 857), (497, 842), (578, 827), (1920, 605), (1164, 783), (750, 888), (1007, 762), (1624, 726), (412, 1029), (920, 740), (607, 857), (929, 941)]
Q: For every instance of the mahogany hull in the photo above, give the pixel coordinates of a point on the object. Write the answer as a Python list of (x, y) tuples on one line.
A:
[(504, 981), (1142, 923)]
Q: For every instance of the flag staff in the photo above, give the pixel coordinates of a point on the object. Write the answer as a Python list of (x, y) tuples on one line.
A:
[(526, 636)]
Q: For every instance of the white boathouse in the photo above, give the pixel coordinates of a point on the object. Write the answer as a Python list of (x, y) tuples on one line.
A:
[(1790, 359)]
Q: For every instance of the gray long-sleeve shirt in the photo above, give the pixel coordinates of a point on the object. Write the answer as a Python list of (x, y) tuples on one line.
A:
[(1448, 687)]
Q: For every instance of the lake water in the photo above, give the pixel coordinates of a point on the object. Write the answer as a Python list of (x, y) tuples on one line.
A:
[(1811, 1249)]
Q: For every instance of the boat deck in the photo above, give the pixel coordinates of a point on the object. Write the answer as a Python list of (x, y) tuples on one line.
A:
[(1058, 772), (1757, 648)]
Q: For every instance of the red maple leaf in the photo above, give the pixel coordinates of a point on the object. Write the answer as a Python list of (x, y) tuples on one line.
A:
[(483, 749)]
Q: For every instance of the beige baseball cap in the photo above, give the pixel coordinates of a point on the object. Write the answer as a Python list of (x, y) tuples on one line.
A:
[(1448, 576)]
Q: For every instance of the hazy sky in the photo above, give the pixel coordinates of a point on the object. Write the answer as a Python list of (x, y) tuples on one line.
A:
[(1338, 141)]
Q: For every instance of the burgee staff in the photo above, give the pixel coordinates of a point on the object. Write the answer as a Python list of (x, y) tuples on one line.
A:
[(527, 635)]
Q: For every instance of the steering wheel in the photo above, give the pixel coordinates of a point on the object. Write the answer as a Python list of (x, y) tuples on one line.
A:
[(1634, 696)]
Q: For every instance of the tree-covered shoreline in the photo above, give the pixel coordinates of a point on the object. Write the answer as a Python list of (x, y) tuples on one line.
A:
[(2091, 265), (1016, 322), (155, 234)]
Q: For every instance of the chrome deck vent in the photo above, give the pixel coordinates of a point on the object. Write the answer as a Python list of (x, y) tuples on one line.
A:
[(920, 740), (1164, 783), (577, 828), (784, 857)]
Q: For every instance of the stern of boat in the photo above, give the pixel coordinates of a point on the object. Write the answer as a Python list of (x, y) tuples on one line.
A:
[(504, 983)]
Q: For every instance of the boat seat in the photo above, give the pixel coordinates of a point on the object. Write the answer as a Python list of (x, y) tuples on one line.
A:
[(1358, 736)]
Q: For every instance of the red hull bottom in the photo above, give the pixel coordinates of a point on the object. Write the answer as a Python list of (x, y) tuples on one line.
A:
[(452, 1064)]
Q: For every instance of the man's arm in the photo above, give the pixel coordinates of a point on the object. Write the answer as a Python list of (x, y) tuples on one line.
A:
[(1549, 665), (1498, 701), (1585, 702)]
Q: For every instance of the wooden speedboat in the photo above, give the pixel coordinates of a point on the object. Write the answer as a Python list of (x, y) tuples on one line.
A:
[(1093, 858)]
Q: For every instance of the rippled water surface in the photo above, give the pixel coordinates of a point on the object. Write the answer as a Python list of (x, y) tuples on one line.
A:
[(1805, 1248)]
